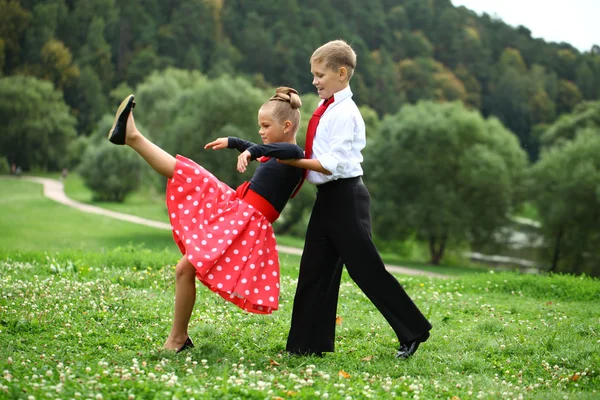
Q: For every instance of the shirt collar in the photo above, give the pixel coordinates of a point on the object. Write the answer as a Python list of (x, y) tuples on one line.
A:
[(339, 96)]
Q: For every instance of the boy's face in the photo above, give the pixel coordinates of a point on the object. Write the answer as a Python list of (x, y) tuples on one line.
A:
[(328, 81)]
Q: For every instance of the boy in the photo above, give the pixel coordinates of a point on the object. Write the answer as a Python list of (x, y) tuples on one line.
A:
[(339, 230)]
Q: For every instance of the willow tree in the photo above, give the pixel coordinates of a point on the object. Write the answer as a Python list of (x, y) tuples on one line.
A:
[(443, 172)]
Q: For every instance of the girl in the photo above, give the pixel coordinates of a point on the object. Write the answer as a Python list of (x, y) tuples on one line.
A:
[(225, 235)]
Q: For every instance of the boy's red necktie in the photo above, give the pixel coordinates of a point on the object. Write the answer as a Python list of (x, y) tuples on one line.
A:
[(310, 136)]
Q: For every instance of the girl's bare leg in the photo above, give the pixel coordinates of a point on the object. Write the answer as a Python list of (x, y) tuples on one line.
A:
[(160, 160), (185, 297)]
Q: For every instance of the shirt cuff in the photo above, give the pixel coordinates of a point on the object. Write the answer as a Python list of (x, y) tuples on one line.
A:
[(331, 164)]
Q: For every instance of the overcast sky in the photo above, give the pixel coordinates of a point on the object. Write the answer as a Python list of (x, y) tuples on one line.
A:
[(574, 21)]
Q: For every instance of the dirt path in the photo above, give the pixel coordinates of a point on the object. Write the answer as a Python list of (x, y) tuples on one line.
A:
[(54, 190)]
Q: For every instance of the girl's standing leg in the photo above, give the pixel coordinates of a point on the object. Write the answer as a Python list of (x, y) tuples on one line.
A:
[(185, 297), (160, 160)]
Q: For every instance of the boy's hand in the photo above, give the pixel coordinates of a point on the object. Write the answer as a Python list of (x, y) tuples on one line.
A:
[(243, 160), (311, 165), (220, 143), (293, 162)]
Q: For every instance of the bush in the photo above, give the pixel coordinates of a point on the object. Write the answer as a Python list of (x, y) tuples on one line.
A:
[(110, 172), (4, 167), (75, 151)]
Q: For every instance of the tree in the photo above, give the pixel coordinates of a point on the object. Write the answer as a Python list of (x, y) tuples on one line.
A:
[(159, 96), (110, 172), (471, 86), (568, 97), (564, 186), (36, 123), (143, 63), (584, 79), (585, 115), (200, 113), (511, 58), (96, 53), (89, 100), (444, 172), (57, 64), (416, 44), (14, 20), (426, 79), (46, 17)]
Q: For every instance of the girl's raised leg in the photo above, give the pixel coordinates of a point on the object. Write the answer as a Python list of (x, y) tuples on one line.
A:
[(160, 160)]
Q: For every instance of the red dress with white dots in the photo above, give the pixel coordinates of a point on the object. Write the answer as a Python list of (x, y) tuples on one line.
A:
[(230, 243)]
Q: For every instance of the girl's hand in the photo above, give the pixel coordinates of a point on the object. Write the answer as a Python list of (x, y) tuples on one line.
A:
[(243, 160), (220, 143)]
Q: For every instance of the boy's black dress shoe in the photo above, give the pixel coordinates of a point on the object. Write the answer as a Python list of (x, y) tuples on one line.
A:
[(187, 345), (410, 348), (119, 128)]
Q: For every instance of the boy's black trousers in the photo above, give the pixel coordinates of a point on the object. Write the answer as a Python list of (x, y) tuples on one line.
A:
[(339, 233)]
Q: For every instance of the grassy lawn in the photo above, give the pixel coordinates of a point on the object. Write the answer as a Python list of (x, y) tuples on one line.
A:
[(90, 325), (147, 203), (31, 222), (86, 303)]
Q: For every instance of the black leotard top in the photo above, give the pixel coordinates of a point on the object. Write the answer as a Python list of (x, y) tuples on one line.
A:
[(272, 180)]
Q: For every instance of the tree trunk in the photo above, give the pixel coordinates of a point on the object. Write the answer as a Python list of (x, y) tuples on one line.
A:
[(556, 255), (436, 249)]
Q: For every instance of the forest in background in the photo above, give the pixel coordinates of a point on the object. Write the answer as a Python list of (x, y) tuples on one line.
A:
[(408, 50)]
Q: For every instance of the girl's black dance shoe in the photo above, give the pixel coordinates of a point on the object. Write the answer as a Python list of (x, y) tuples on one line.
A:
[(119, 128), (187, 345)]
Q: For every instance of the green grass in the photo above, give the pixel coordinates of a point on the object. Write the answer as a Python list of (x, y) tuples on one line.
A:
[(146, 203), (529, 211), (91, 325), (83, 315), (30, 222)]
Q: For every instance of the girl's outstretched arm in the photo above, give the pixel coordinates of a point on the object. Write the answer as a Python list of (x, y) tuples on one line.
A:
[(220, 143)]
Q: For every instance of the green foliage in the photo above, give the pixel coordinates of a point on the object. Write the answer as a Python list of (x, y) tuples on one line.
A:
[(157, 97), (36, 124), (96, 54), (426, 79), (90, 101), (585, 115), (46, 18), (446, 173), (407, 51), (569, 96), (57, 64), (110, 172), (4, 166), (201, 113), (565, 185), (76, 150), (14, 20)]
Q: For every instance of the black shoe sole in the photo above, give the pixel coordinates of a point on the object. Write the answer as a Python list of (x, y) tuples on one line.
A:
[(118, 131)]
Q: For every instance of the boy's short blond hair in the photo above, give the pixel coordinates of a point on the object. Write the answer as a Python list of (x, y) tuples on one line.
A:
[(336, 54)]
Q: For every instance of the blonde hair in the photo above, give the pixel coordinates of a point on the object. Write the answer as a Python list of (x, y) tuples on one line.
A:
[(336, 54), (284, 106)]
